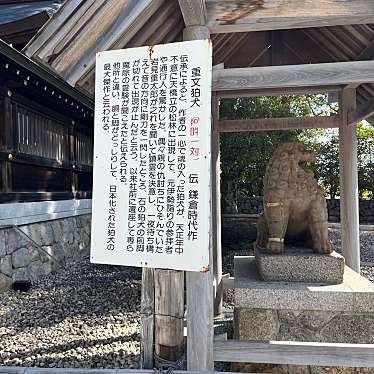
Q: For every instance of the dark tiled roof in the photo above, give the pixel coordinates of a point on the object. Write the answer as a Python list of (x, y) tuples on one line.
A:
[(19, 32), (16, 63), (14, 10)]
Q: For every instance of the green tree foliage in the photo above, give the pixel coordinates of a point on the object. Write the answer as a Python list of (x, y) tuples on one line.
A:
[(365, 156), (325, 144), (326, 167), (244, 156)]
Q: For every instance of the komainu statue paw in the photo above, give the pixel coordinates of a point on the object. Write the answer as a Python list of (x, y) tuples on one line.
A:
[(324, 249), (274, 247)]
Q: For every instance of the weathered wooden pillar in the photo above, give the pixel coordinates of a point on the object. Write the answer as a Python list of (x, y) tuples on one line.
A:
[(72, 141), (147, 309), (7, 141), (216, 207), (349, 215), (169, 314), (200, 286)]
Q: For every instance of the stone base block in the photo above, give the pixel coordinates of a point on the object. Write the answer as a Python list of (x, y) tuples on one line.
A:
[(303, 312), (355, 294), (300, 265)]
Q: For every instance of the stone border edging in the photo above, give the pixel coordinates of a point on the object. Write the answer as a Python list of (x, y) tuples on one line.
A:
[(40, 211), (254, 218), (37, 370)]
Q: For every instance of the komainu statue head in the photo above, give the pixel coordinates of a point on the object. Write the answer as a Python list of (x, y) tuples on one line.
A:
[(295, 209)]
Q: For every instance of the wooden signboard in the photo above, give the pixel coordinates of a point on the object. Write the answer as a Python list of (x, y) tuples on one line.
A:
[(152, 156)]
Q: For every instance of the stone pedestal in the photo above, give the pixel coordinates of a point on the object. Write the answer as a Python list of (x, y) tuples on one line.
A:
[(342, 313), (300, 265)]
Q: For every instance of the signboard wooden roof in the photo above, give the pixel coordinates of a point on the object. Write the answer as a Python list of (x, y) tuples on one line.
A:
[(292, 32)]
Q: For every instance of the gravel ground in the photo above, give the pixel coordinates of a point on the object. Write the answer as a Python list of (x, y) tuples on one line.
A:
[(366, 242), (84, 316), (87, 315)]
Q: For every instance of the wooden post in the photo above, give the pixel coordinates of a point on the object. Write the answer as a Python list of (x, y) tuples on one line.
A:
[(9, 143), (349, 215), (147, 318), (169, 314), (216, 207), (72, 158), (200, 286)]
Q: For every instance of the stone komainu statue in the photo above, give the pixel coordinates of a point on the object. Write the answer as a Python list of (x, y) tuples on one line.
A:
[(294, 205)]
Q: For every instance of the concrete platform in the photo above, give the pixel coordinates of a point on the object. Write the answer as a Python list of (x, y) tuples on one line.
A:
[(299, 264), (354, 294)]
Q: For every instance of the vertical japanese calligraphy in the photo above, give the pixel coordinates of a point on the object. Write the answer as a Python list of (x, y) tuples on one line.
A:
[(152, 188)]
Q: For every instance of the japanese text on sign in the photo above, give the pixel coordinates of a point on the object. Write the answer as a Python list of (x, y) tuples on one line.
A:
[(151, 193)]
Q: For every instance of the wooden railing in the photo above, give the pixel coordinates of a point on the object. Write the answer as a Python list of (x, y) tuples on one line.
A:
[(84, 148), (273, 352), (295, 353), (41, 136)]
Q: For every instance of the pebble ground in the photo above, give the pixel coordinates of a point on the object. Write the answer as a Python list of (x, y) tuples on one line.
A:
[(87, 316)]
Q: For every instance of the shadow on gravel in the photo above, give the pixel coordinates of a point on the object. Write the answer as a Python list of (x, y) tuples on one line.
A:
[(80, 343), (89, 290), (99, 361), (85, 316)]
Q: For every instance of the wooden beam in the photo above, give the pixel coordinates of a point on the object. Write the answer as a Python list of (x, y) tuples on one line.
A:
[(305, 47), (367, 53), (45, 34), (224, 43), (225, 16), (363, 111), (324, 44), (295, 353), (199, 286), (168, 29), (228, 46), (267, 124), (155, 27), (73, 25), (258, 54), (194, 31), (193, 12), (349, 215), (218, 66), (172, 26), (278, 91), (121, 23), (275, 77)]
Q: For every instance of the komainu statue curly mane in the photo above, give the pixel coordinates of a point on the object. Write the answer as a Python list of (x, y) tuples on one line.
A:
[(294, 205)]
